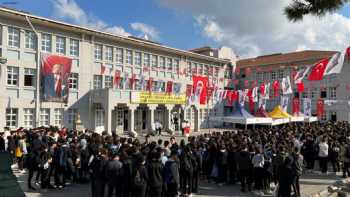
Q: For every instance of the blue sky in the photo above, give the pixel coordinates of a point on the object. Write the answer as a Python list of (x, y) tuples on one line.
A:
[(250, 27)]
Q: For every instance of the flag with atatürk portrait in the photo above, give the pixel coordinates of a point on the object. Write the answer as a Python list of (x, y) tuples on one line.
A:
[(200, 85), (55, 71)]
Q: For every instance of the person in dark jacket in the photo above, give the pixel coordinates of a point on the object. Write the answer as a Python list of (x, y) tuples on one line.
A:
[(140, 177), (222, 164), (244, 165), (155, 173), (186, 171), (172, 176), (285, 184), (46, 160), (297, 167), (97, 169), (114, 174), (2, 142), (128, 172)]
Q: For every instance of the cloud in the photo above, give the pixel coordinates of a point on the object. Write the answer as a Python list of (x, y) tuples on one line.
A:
[(70, 10), (146, 30), (258, 27)]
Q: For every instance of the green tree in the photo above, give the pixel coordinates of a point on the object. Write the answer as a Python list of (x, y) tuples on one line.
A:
[(297, 9)]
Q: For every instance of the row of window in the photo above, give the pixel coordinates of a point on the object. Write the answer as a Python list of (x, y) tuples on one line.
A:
[(111, 54), (14, 38), (314, 93), (194, 68), (44, 117)]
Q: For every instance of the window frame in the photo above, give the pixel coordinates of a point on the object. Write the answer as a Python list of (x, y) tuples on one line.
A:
[(46, 42), (13, 37), (98, 52), (13, 76), (29, 72), (74, 47), (30, 40), (61, 45)]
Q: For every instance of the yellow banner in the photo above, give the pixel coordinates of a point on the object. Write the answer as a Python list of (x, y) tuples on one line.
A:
[(157, 98)]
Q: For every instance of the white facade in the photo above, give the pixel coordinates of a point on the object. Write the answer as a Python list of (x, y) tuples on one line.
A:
[(100, 106)]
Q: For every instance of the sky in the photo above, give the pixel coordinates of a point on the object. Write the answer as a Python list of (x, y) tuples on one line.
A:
[(249, 27)]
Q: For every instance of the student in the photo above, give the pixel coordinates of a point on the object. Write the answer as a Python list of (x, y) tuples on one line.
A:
[(114, 174), (98, 179), (172, 176), (244, 166), (155, 173), (323, 155), (140, 177)]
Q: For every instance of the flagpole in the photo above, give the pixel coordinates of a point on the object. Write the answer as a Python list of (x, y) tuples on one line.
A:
[(37, 95)]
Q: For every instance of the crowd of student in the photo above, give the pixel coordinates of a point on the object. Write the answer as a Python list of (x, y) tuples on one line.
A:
[(257, 159)]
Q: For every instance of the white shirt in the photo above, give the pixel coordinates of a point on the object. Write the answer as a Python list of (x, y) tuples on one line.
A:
[(323, 149)]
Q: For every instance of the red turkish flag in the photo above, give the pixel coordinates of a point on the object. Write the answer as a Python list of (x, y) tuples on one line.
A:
[(296, 106), (229, 97), (276, 88), (317, 71), (262, 89), (169, 87), (251, 105), (116, 78), (234, 95), (102, 69), (200, 85), (132, 81), (300, 87), (149, 84), (320, 107), (348, 52), (188, 90)]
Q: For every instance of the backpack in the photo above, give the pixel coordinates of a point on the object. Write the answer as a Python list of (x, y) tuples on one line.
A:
[(168, 176), (138, 180)]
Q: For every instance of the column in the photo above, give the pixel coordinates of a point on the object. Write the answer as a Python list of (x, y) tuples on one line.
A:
[(151, 111), (131, 125), (169, 125), (108, 120)]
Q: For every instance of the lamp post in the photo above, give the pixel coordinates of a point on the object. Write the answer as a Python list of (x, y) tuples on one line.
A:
[(37, 90)]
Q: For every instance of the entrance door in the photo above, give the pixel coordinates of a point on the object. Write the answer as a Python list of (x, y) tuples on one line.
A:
[(120, 120), (126, 120), (144, 119)]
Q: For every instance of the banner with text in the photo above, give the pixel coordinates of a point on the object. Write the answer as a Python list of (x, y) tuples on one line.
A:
[(157, 98)]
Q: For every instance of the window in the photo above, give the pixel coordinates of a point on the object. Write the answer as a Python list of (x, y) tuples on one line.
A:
[(99, 117), (98, 52), (60, 45), (189, 68), (200, 69), (128, 57), (97, 81), (333, 92), (313, 92), (206, 69), (154, 61), (177, 65), (333, 116), (12, 75), (30, 42), (29, 77), (46, 41), (169, 63), (74, 47), (146, 59), (273, 75), (108, 82), (58, 114), (280, 74), (217, 71), (72, 113), (73, 81), (28, 118), (13, 37), (11, 117), (138, 58), (119, 56), (109, 54), (44, 119), (162, 62)]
